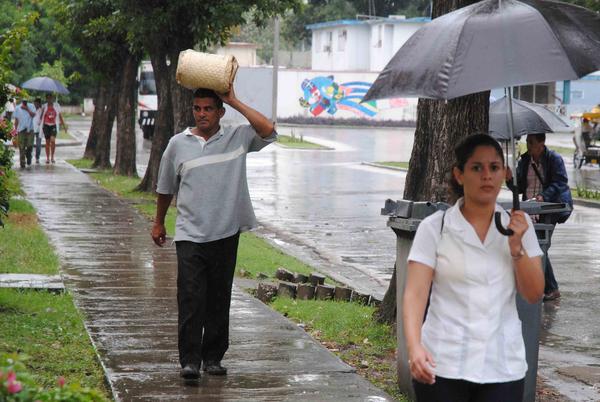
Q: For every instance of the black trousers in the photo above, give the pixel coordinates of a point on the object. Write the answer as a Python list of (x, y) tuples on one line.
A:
[(448, 390), (204, 279)]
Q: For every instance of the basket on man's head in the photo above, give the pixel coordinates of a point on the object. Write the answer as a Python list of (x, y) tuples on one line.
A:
[(204, 70)]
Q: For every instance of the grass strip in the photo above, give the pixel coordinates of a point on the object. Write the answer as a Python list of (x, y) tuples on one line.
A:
[(48, 329), (45, 327), (349, 331), (402, 165), (24, 247), (295, 142)]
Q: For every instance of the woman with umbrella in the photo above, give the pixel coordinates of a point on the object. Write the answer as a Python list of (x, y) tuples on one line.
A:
[(470, 346), (49, 124)]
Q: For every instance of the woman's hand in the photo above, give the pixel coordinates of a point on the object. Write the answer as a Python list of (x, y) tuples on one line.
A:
[(518, 224), (420, 364)]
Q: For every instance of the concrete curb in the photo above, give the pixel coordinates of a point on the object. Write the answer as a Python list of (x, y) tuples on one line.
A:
[(586, 203)]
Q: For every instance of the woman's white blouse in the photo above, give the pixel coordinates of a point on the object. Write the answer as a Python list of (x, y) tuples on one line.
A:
[(472, 327)]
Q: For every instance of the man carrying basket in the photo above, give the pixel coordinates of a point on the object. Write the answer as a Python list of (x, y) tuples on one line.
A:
[(205, 166)]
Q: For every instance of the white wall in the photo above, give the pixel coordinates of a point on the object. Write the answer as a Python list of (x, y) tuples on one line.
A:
[(245, 55), (253, 86), (369, 46), (351, 57), (357, 49), (402, 32)]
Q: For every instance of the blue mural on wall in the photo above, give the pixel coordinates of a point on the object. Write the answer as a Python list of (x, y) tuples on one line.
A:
[(323, 94)]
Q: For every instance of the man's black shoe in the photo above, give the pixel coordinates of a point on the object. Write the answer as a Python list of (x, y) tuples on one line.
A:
[(190, 371), (214, 368)]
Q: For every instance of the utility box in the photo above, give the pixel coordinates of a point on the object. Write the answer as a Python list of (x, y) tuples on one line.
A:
[(404, 219)]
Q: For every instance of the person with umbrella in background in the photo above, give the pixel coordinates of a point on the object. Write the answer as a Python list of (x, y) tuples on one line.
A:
[(36, 129), (49, 124), (542, 176)]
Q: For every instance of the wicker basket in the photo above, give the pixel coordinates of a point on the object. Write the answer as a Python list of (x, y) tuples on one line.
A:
[(203, 70)]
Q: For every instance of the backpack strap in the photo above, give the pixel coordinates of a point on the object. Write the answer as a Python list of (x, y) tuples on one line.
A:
[(442, 225)]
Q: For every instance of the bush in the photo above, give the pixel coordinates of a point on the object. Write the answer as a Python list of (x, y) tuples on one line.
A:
[(16, 385)]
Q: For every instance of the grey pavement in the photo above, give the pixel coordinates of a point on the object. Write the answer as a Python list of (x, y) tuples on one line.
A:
[(126, 289)]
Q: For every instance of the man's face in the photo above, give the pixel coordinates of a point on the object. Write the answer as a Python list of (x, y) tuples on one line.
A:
[(535, 147), (207, 114)]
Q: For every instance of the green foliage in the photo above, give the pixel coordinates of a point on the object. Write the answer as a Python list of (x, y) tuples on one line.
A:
[(586, 193), (593, 5), (10, 44), (17, 385), (55, 71)]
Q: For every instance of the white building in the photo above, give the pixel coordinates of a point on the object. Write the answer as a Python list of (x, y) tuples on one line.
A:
[(360, 45), (245, 53)]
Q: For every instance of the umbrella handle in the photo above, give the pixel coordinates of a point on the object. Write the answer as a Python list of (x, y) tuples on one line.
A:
[(516, 205), (501, 229)]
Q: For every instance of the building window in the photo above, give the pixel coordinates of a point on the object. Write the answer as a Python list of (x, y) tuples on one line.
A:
[(342, 36), (328, 42), (379, 37)]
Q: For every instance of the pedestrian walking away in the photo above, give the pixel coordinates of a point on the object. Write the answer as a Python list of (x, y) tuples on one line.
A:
[(49, 120), (205, 166), (24, 124), (37, 103), (470, 346), (541, 175)]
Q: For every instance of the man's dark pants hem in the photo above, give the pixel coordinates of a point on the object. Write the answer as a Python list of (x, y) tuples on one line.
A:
[(204, 279)]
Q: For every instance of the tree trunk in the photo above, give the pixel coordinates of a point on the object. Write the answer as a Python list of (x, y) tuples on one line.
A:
[(163, 128), (386, 312), (440, 126), (97, 121), (182, 97), (125, 160), (102, 154)]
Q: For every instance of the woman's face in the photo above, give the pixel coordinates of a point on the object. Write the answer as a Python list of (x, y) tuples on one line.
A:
[(483, 175)]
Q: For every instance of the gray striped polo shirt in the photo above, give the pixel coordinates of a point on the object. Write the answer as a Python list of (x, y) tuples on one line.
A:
[(209, 179)]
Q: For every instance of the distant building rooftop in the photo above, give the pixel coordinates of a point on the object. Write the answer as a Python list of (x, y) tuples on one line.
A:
[(392, 19)]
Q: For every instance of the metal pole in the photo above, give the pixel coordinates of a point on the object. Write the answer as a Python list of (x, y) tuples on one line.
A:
[(275, 70), (511, 127)]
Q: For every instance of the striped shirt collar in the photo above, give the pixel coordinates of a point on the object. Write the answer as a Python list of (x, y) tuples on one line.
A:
[(214, 137)]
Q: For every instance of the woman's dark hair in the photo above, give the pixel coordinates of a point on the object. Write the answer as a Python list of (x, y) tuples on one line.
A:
[(463, 151), (208, 93)]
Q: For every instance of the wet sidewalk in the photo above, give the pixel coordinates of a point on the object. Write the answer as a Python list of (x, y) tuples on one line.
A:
[(125, 288)]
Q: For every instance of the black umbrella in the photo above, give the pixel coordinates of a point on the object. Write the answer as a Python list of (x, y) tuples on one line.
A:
[(528, 118), (492, 44)]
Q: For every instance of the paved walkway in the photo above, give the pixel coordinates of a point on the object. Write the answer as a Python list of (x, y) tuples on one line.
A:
[(125, 287)]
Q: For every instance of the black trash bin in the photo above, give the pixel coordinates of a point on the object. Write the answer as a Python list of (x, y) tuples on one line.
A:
[(404, 219)]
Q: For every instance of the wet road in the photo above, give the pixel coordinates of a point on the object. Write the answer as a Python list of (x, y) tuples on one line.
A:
[(324, 206)]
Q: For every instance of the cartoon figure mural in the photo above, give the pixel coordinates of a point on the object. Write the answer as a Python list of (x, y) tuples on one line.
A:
[(324, 94)]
